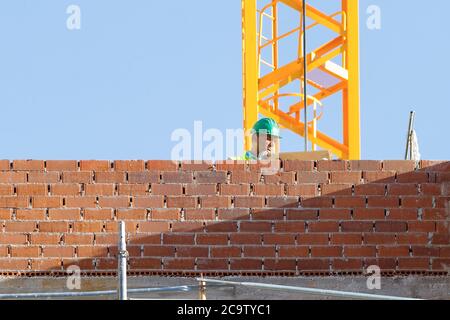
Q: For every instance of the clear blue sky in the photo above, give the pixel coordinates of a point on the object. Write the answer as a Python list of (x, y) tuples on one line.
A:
[(137, 70)]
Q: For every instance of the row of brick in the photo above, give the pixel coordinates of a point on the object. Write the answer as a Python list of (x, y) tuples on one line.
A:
[(237, 264), (210, 189), (288, 165)]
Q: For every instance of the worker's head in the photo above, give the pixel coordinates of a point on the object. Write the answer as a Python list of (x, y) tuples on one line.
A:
[(266, 138)]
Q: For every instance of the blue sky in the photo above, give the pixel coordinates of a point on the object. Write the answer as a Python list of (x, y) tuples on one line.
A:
[(137, 70)]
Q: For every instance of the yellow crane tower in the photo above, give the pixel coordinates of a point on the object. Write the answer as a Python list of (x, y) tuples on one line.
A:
[(275, 88)]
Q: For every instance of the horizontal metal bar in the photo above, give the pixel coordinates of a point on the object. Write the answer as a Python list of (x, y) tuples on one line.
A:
[(333, 293)]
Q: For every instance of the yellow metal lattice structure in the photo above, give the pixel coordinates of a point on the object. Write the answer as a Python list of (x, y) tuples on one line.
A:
[(332, 69)]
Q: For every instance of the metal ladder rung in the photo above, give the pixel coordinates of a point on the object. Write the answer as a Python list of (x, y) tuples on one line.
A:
[(267, 63)]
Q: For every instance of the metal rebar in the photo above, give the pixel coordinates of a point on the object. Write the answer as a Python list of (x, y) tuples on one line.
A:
[(313, 291), (408, 138), (123, 254)]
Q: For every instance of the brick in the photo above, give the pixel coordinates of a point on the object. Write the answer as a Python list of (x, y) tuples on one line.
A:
[(444, 252), (145, 264), (279, 239), (225, 252), (25, 252), (46, 202), (143, 177), (336, 189), (77, 177), (234, 189), (80, 202), (280, 178), (87, 226), (84, 264), (53, 226), (200, 214), (159, 251), (231, 165), (283, 202), (167, 189), (14, 202), (14, 264), (180, 239), (436, 214), (265, 166), (298, 165), (399, 165), (291, 251), (51, 264), (13, 177), (379, 177), (302, 214), (421, 226), (309, 264), (162, 165), (215, 202), (372, 189), (356, 226), (108, 239), (249, 238), (58, 252), (313, 239), (131, 214), (289, 227), (422, 264), (335, 214), (211, 177), (379, 238), (44, 177), (442, 202), (251, 226), (110, 177), (148, 202), (114, 202), (329, 251), (417, 202), (406, 189), (212, 264), (246, 264), (28, 165), (181, 202), (391, 226), (385, 264), (78, 239), (280, 265), (99, 189), (196, 165), (383, 202), (365, 165), (319, 202), (414, 177), (6, 214), (430, 189), (3, 251), (435, 166), (154, 226), (30, 214), (65, 189), (441, 264), (95, 165), (4, 165), (165, 214), (192, 252), (129, 165), (412, 238), (227, 226), (268, 190), (20, 226), (441, 239), (61, 165), (249, 202), (268, 214), (211, 239), (92, 251), (312, 177), (442, 177), (346, 177), (425, 251), (6, 190), (233, 214), (402, 214), (303, 190), (334, 165), (177, 177), (133, 189), (259, 251), (238, 177), (397, 251), (360, 251), (369, 214), (347, 238), (201, 189), (98, 214), (347, 264), (350, 202), (323, 226)]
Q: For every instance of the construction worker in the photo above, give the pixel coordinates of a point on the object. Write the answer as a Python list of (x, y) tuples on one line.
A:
[(265, 141)]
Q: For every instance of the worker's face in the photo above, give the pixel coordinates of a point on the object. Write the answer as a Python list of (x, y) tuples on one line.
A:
[(267, 145)]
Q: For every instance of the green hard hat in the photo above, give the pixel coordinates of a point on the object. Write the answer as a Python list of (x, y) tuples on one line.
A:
[(267, 126)]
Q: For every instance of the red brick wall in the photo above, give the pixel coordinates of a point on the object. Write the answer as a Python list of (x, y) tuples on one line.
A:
[(181, 218)]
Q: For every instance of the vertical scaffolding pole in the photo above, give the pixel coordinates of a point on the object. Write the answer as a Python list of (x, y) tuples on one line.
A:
[(249, 67), (305, 74), (123, 254)]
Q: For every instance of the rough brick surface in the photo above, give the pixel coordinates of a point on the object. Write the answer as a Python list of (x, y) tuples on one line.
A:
[(227, 218)]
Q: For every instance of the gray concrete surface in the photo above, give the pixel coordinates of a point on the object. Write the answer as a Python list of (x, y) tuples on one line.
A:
[(412, 286)]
